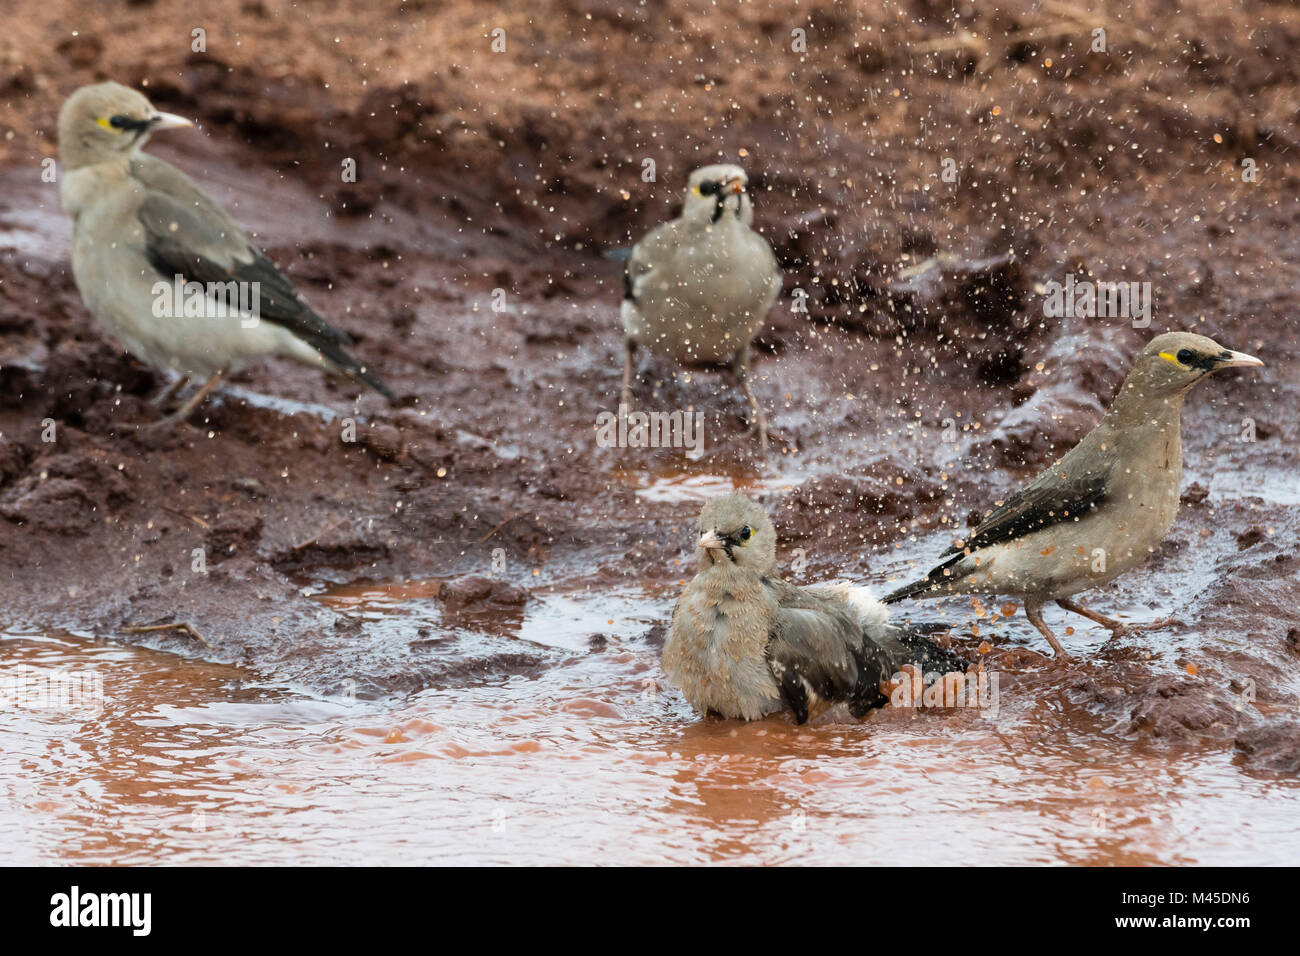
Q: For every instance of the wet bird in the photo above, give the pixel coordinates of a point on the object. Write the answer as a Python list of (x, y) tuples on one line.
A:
[(141, 227), (745, 644), (1100, 510), (697, 288)]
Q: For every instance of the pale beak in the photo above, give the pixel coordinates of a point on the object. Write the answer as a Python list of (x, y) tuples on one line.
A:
[(169, 121), (1239, 360), (736, 185), (711, 541)]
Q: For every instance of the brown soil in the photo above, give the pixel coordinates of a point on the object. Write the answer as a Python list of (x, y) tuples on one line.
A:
[(518, 170)]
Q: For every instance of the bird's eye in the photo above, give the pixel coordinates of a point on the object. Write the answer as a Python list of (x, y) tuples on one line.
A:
[(745, 533), (119, 121), (708, 188), (1186, 356)]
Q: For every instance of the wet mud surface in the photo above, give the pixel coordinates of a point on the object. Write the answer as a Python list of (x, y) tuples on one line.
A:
[(474, 551)]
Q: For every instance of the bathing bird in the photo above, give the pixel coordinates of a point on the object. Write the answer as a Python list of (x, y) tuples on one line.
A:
[(1101, 509), (697, 288), (745, 644), (142, 230)]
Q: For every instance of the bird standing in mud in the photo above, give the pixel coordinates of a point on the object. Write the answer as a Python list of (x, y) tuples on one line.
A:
[(745, 644), (142, 228), (1100, 510), (697, 288)]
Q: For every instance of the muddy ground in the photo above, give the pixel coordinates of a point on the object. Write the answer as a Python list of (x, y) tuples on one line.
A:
[(519, 170)]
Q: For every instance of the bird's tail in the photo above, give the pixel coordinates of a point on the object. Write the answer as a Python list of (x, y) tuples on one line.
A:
[(885, 649), (930, 582), (907, 591), (353, 369), (365, 377), (917, 649), (902, 644)]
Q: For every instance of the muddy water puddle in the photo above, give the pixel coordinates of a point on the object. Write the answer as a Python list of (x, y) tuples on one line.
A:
[(587, 758)]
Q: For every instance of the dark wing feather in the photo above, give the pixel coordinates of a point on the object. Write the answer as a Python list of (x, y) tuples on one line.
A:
[(187, 234), (812, 652), (819, 647), (1057, 495), (1067, 491)]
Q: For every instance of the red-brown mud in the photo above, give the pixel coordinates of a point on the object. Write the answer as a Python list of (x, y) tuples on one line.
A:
[(517, 171)]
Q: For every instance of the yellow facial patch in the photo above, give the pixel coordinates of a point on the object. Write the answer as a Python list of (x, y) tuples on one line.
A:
[(104, 123), (1170, 357)]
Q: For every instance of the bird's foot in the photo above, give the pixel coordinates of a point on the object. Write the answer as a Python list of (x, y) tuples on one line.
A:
[(1034, 611), (189, 630), (186, 410), (168, 392), (1059, 654), (166, 423), (1122, 629)]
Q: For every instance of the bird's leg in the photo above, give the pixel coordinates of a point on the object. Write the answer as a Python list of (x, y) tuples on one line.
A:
[(183, 627), (1107, 622), (1034, 611), (1115, 627), (756, 417), (169, 392), (186, 410), (625, 397)]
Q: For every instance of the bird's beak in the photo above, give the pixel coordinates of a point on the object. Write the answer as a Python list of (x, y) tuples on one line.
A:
[(711, 541), (169, 121), (736, 185), (1239, 360)]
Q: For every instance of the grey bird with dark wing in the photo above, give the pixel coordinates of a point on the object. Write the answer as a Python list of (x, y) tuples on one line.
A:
[(697, 288), (1099, 511), (745, 644), (139, 221)]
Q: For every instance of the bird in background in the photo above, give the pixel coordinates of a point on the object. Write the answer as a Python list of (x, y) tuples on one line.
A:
[(139, 221), (697, 288), (1100, 510), (745, 644)]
